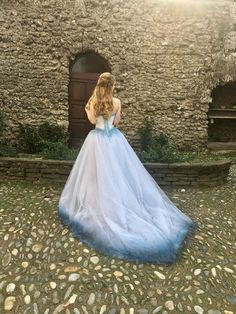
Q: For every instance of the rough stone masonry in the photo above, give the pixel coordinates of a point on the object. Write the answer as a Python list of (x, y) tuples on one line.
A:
[(167, 56)]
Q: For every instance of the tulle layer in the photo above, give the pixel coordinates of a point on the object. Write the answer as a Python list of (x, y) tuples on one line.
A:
[(112, 204)]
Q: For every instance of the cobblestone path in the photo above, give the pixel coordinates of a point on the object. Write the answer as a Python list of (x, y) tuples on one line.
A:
[(44, 269)]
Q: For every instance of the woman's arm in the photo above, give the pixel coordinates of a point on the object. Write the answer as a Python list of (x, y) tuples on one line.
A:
[(90, 111), (118, 113)]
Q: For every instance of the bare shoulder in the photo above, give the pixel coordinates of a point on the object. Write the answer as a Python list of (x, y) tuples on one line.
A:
[(117, 103)]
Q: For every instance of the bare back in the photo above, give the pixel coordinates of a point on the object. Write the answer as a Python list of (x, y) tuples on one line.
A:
[(116, 110), (116, 103)]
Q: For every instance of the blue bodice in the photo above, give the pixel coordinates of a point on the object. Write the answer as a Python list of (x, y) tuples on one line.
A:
[(105, 125)]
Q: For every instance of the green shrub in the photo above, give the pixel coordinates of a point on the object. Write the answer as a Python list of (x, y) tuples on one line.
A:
[(30, 140), (2, 122), (146, 134), (8, 151), (158, 148), (35, 139), (53, 132), (59, 151)]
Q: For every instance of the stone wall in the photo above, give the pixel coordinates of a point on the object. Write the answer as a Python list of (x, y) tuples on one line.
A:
[(175, 175), (167, 56)]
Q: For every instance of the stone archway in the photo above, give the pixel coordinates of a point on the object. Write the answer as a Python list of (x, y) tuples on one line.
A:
[(84, 72), (222, 117)]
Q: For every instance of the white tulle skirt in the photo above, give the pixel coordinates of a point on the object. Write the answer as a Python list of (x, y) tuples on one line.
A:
[(112, 204)]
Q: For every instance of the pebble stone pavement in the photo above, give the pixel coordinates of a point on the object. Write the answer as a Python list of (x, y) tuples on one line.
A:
[(44, 269)]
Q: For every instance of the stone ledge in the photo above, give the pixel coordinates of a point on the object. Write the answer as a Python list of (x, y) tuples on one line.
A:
[(176, 174)]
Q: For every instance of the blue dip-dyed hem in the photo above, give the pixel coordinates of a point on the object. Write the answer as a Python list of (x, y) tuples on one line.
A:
[(167, 256)]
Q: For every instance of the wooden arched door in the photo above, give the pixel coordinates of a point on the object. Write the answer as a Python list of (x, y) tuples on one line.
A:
[(83, 78)]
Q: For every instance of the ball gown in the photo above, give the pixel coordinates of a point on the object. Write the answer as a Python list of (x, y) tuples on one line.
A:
[(113, 205)]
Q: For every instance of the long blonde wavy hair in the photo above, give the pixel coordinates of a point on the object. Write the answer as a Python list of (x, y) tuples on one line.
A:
[(102, 96)]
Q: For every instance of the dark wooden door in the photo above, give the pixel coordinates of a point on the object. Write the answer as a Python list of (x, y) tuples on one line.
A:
[(81, 87)]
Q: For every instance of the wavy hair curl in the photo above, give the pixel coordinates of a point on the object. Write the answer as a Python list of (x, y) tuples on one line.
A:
[(102, 96)]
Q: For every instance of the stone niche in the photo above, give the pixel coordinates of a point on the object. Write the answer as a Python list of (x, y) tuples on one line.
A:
[(222, 115)]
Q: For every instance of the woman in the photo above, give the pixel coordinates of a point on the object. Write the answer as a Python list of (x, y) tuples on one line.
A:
[(110, 201)]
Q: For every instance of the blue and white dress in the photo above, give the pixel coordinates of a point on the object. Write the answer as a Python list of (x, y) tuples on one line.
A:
[(112, 203)]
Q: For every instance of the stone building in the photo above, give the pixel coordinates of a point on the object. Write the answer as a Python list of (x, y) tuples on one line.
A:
[(174, 60)]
